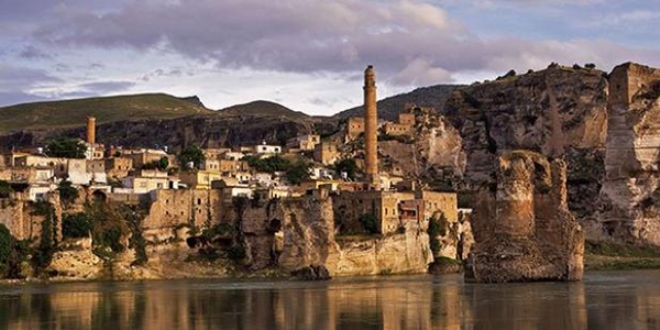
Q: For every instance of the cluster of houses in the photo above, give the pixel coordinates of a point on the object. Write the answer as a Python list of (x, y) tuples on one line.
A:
[(126, 174)]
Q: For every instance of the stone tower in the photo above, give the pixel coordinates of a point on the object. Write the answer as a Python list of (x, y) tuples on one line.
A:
[(91, 130), (370, 128)]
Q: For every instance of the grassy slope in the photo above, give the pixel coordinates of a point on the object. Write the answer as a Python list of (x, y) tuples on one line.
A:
[(72, 113), (260, 108), (611, 256)]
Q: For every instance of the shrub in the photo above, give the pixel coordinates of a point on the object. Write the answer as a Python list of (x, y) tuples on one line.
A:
[(369, 223), (590, 66), (298, 173), (236, 252), (76, 226)]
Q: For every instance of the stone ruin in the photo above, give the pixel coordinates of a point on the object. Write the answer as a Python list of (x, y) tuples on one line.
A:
[(522, 227)]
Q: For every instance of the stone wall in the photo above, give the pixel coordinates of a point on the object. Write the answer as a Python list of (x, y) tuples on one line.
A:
[(522, 228), (171, 209)]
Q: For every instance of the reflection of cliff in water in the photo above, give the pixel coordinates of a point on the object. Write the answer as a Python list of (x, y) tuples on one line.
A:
[(620, 300)]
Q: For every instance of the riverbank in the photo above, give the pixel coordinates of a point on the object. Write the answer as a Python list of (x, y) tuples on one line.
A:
[(612, 256)]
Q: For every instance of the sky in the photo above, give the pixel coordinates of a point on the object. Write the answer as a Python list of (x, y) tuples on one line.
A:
[(308, 55)]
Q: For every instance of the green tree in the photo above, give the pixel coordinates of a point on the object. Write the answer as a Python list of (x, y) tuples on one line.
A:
[(192, 154), (369, 223), (298, 172), (6, 241), (76, 225), (66, 148), (5, 189), (348, 166), (68, 193)]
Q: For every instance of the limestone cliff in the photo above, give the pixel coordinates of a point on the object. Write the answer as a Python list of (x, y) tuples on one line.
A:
[(522, 227), (630, 197), (553, 112)]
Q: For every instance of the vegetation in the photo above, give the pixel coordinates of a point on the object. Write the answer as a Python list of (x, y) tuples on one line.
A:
[(348, 166), (614, 256), (68, 193), (369, 223), (5, 189), (296, 171), (76, 225), (192, 154), (72, 113), (162, 164), (43, 254), (5, 244), (66, 148), (433, 231)]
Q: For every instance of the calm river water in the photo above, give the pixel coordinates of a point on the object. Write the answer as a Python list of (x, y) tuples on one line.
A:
[(607, 300)]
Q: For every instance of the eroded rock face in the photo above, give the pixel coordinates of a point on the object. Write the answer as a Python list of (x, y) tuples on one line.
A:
[(630, 197), (522, 228), (310, 239), (556, 112)]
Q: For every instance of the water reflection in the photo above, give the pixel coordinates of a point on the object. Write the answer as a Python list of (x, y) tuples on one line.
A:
[(628, 300)]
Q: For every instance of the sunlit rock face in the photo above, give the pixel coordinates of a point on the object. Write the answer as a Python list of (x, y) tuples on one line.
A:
[(630, 197), (522, 228)]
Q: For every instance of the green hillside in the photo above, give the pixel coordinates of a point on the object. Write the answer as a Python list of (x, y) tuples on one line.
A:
[(72, 113), (263, 108)]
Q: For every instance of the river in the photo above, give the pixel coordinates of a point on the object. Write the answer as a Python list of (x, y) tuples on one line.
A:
[(605, 300)]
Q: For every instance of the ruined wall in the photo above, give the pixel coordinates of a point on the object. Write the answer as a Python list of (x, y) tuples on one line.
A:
[(630, 196), (171, 208), (522, 228)]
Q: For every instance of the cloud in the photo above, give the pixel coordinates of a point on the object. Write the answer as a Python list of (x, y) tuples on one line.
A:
[(412, 42), (98, 88), (16, 84), (31, 52)]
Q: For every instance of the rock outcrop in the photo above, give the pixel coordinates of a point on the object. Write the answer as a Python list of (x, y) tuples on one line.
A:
[(550, 112), (630, 197), (522, 228)]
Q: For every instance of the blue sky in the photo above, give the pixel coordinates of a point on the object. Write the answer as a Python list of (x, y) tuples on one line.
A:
[(305, 54)]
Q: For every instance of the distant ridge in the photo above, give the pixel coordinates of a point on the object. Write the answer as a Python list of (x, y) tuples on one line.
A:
[(263, 108), (389, 108), (72, 113)]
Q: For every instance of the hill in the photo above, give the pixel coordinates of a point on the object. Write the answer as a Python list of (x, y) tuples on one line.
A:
[(389, 108), (263, 108), (72, 113)]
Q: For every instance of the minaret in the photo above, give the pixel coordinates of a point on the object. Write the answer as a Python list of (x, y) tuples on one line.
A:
[(371, 128), (91, 130)]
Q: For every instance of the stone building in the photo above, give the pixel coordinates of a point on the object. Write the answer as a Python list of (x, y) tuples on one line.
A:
[(354, 127), (303, 142), (118, 167), (326, 153), (392, 209)]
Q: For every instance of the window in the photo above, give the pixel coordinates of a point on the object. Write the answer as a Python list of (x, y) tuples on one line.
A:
[(199, 201)]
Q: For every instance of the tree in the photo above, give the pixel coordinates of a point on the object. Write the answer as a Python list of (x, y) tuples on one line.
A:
[(298, 172), (5, 189), (66, 148), (76, 225), (348, 166), (192, 154), (5, 244), (369, 223), (68, 193)]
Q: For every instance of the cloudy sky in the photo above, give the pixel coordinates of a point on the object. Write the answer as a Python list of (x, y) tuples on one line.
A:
[(306, 54)]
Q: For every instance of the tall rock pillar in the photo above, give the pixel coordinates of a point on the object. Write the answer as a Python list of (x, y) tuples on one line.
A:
[(371, 128), (91, 130)]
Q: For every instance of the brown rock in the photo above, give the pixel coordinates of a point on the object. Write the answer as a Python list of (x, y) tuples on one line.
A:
[(522, 228)]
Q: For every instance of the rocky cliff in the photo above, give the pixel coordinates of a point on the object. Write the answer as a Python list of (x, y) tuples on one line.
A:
[(522, 227), (630, 197)]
